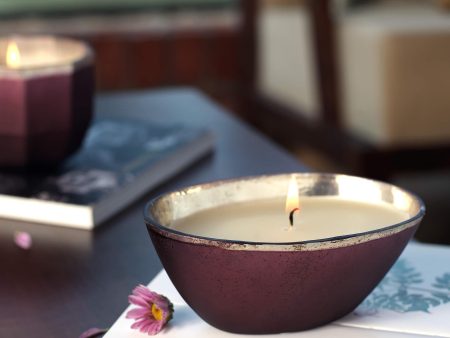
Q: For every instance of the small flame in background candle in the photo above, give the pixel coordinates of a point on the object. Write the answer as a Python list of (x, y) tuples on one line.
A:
[(12, 55), (292, 199)]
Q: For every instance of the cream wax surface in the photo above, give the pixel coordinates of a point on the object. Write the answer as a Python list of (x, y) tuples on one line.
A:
[(266, 221)]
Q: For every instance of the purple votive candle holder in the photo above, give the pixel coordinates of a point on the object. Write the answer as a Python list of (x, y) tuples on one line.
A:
[(46, 99), (230, 250)]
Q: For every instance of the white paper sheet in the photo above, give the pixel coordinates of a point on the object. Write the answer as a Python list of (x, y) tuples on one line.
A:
[(414, 297)]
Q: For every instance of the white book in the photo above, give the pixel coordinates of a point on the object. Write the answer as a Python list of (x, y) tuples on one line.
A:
[(422, 270), (120, 160)]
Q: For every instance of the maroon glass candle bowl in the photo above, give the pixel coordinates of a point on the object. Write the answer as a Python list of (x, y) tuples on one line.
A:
[(260, 288), (46, 99)]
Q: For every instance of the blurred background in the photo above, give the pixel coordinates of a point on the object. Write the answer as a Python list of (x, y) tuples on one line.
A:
[(351, 86)]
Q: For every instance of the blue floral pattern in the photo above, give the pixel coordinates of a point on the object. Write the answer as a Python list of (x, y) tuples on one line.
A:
[(401, 291)]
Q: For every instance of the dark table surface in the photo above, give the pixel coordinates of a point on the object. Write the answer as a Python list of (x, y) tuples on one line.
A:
[(72, 280)]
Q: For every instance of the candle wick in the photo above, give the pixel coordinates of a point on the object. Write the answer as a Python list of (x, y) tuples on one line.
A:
[(291, 216)]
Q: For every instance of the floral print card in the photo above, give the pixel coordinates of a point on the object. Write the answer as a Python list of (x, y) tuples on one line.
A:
[(414, 297)]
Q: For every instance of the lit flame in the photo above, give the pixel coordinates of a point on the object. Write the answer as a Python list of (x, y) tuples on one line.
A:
[(12, 55), (292, 199)]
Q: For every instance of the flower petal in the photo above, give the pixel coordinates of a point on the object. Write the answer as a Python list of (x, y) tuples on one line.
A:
[(138, 301), (144, 328), (137, 312), (138, 324), (93, 332), (152, 329), (142, 291)]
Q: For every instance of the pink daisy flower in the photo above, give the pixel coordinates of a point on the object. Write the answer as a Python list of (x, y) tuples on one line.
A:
[(153, 310)]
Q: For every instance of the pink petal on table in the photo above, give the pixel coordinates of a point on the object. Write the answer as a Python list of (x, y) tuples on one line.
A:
[(93, 332), (23, 240)]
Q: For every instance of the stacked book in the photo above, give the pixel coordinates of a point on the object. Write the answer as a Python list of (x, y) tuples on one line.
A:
[(120, 160)]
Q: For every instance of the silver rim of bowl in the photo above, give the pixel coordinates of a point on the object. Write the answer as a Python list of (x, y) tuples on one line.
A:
[(308, 245)]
